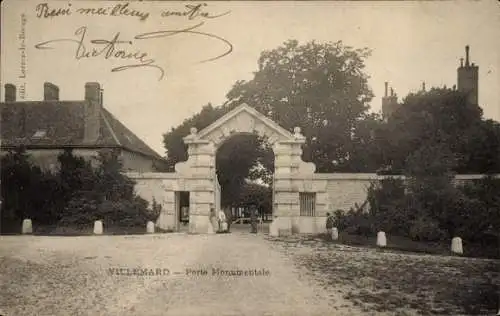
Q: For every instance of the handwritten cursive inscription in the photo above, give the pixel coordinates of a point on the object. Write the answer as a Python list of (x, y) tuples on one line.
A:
[(193, 11), (190, 11), (119, 49), (117, 10), (44, 11), (189, 30)]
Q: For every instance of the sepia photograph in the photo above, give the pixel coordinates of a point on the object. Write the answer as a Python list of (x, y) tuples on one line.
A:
[(237, 158)]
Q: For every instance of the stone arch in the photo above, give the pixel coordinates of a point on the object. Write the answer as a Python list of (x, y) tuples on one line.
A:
[(200, 166)]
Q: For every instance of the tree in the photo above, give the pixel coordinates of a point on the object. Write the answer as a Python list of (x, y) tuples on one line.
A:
[(437, 116), (234, 161), (105, 194), (256, 194), (318, 87), (176, 149), (481, 148), (27, 192)]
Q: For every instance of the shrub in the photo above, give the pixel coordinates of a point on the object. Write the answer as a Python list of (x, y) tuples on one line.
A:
[(426, 229), (108, 195), (80, 212), (27, 191), (354, 222), (75, 196), (389, 206)]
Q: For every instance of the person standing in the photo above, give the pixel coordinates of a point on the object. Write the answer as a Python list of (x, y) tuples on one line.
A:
[(253, 219), (229, 218), (329, 224), (222, 221)]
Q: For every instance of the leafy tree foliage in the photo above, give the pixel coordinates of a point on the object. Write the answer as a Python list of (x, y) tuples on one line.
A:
[(26, 190), (176, 149), (256, 194), (234, 161), (429, 205), (108, 195), (75, 195), (440, 116), (318, 87)]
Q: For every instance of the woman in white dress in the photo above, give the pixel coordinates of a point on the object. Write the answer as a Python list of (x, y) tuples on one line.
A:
[(222, 221)]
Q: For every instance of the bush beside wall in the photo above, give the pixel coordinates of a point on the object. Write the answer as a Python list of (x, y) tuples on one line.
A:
[(72, 197)]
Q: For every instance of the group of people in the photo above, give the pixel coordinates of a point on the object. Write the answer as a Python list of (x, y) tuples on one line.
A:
[(221, 221)]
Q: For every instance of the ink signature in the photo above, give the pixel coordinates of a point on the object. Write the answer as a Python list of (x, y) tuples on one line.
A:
[(114, 49)]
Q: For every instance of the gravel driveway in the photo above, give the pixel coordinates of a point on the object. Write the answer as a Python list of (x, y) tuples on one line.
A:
[(79, 276)]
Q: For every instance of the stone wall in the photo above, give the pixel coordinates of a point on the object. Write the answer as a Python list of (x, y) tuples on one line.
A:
[(333, 192), (346, 189)]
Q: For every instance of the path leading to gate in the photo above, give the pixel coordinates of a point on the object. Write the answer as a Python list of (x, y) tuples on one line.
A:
[(71, 276)]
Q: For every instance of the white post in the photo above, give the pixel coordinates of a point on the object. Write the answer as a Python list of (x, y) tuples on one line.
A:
[(98, 229), (150, 227), (27, 227), (381, 239), (456, 245), (335, 233)]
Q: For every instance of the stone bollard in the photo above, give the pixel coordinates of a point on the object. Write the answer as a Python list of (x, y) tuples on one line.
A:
[(456, 246), (150, 227), (27, 227), (335, 233), (98, 228), (381, 239)]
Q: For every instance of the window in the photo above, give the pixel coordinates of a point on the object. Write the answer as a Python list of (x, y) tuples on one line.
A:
[(307, 204)]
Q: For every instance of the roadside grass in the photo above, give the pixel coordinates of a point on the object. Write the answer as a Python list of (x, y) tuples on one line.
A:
[(404, 244), (392, 279), (88, 230)]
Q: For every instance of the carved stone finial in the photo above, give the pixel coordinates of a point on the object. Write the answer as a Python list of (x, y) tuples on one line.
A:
[(194, 130), (296, 130)]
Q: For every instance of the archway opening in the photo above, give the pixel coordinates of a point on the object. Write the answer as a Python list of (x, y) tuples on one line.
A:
[(245, 169)]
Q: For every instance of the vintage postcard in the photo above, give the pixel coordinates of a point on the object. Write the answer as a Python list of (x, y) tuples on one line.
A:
[(250, 158)]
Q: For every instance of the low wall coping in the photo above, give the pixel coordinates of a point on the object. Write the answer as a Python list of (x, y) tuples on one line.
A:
[(165, 175), (314, 176), (364, 176)]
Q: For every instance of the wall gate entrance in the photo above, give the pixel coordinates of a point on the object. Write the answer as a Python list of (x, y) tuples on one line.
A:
[(197, 175)]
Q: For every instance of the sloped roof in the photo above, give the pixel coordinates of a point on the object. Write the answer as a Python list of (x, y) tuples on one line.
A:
[(124, 137), (253, 112), (62, 124)]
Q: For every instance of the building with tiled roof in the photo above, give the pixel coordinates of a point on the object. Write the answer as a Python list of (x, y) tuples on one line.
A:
[(45, 128)]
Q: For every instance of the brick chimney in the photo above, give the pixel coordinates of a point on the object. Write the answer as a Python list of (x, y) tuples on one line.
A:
[(50, 92), (93, 96), (10, 92)]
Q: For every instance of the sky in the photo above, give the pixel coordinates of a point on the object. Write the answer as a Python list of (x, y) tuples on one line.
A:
[(411, 42)]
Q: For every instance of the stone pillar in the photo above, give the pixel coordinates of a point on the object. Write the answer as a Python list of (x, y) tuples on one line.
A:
[(200, 203), (286, 198), (201, 185), (288, 165), (168, 217)]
